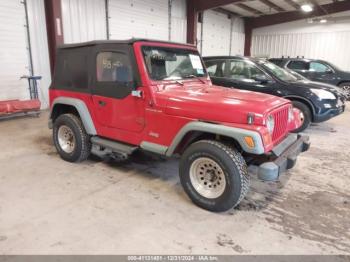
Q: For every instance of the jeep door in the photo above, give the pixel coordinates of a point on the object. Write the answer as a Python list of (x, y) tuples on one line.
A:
[(115, 77)]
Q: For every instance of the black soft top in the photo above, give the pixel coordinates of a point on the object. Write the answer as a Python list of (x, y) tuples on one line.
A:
[(126, 41)]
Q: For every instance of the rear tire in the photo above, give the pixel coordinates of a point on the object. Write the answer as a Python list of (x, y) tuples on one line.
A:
[(70, 138), (214, 175), (305, 114), (346, 88)]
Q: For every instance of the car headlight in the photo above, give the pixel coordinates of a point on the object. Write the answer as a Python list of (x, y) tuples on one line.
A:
[(323, 94), (270, 123), (290, 114)]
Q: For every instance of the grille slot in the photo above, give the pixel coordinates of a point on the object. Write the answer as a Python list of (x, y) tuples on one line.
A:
[(281, 124)]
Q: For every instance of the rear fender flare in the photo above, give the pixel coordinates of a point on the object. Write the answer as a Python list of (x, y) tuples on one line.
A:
[(82, 109)]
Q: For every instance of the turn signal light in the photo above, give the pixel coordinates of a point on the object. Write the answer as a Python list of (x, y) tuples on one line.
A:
[(249, 141)]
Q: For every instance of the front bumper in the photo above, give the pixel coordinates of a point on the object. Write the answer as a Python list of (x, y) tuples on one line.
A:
[(332, 112), (286, 154)]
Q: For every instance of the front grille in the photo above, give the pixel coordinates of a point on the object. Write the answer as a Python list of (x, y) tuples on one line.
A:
[(281, 124)]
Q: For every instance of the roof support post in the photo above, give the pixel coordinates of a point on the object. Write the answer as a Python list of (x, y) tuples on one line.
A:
[(192, 19), (248, 31), (53, 14)]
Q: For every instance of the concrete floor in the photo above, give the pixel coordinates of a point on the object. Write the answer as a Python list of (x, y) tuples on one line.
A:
[(48, 206)]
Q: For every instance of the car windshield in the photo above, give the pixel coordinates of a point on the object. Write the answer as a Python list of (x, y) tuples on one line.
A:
[(172, 63), (278, 72)]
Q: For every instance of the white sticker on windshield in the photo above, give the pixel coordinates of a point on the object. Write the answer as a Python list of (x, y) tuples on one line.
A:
[(196, 62)]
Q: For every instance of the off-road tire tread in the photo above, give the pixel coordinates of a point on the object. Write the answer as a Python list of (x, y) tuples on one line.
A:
[(85, 138), (239, 161)]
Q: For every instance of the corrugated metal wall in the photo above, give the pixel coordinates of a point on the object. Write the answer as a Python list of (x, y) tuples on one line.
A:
[(221, 35), (83, 20), (13, 50), (178, 21), (329, 42), (138, 18), (39, 47)]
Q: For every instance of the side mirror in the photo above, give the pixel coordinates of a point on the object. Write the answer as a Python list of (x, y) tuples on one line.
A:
[(329, 71), (262, 79)]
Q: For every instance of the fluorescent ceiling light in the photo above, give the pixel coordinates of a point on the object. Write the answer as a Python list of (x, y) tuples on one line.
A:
[(306, 8), (323, 20)]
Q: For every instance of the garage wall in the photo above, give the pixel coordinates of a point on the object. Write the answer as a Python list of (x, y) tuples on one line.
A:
[(83, 20), (324, 41), (178, 21), (39, 47), (138, 18), (221, 35), (13, 51)]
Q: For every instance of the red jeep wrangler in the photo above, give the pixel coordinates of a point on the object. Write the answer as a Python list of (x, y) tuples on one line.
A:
[(110, 98)]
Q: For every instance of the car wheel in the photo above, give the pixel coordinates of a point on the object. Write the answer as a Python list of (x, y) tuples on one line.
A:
[(214, 175), (70, 138), (305, 116), (346, 88)]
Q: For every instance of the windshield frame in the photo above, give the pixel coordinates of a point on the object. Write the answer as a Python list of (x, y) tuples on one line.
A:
[(172, 46)]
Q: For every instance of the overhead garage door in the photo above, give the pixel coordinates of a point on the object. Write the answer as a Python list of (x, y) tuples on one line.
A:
[(83, 20), (14, 59), (138, 18), (216, 34)]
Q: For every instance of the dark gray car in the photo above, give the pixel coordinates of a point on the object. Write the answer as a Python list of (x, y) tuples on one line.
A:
[(317, 70)]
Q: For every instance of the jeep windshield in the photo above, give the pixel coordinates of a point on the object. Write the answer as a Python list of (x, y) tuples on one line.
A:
[(278, 72), (165, 63)]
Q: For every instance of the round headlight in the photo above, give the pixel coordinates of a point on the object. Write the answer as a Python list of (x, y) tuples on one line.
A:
[(290, 114), (270, 123)]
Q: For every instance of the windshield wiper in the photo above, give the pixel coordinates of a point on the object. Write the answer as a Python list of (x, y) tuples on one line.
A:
[(196, 77), (179, 82)]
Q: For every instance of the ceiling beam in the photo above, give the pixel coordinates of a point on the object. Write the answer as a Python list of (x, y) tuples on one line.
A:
[(249, 9), (226, 12), (267, 20), (273, 5), (293, 4), (317, 5), (202, 5)]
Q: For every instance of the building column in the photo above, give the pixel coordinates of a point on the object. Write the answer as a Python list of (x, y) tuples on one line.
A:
[(54, 25), (192, 19), (248, 31)]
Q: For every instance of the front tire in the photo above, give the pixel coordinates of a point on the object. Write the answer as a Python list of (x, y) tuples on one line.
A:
[(70, 138), (305, 115), (214, 175)]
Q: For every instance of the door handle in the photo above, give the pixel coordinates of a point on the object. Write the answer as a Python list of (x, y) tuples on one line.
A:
[(101, 103)]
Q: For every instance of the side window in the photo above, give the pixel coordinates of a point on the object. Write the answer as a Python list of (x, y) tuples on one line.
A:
[(298, 65), (215, 68), (318, 67), (278, 62), (113, 67), (244, 71)]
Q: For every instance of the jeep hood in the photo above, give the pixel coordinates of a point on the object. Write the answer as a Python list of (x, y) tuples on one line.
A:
[(218, 104)]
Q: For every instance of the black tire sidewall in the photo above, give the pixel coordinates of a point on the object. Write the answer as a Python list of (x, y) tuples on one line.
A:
[(307, 116), (68, 121), (233, 188)]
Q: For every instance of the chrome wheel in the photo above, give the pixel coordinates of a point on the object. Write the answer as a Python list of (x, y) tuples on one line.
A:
[(346, 91), (66, 139), (207, 178)]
